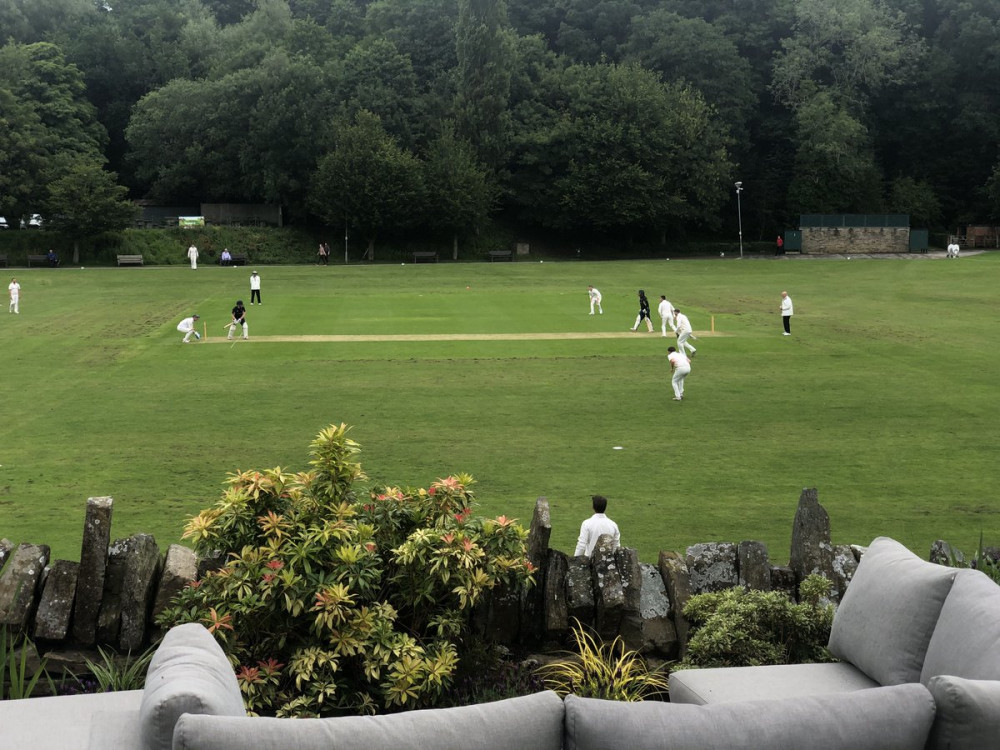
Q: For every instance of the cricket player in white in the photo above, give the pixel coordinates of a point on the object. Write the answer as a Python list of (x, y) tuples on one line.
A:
[(186, 327), (595, 299), (666, 311), (595, 527), (193, 256), (680, 366), (14, 290), (786, 313), (684, 332)]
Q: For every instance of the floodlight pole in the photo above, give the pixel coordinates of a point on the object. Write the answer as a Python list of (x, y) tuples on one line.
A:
[(345, 243), (739, 214)]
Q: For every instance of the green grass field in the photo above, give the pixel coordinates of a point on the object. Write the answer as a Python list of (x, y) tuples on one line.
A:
[(885, 398)]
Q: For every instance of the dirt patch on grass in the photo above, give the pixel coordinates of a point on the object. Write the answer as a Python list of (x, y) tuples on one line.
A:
[(333, 338)]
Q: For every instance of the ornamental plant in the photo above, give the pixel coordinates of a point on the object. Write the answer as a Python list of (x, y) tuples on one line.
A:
[(739, 628), (332, 603)]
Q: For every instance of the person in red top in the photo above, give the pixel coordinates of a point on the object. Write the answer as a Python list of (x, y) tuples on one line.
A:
[(779, 246)]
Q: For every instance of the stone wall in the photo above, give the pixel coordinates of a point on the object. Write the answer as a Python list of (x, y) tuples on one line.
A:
[(111, 596), (848, 240)]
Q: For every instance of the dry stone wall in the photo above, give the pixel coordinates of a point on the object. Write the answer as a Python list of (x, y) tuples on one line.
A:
[(112, 595), (859, 240)]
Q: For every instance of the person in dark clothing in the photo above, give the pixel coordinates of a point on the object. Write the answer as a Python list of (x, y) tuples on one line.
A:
[(643, 313), (239, 320)]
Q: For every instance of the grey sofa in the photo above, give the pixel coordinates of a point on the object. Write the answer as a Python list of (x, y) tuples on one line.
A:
[(902, 626), (902, 621)]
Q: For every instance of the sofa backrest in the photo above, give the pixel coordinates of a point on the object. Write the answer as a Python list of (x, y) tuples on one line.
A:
[(886, 618), (532, 721), (966, 639)]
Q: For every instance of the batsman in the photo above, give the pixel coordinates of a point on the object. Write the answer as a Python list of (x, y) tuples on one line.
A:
[(239, 320)]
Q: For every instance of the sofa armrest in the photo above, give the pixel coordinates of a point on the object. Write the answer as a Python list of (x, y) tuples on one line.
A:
[(968, 713)]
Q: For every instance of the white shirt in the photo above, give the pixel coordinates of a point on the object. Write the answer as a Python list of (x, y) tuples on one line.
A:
[(15, 289), (594, 527), (679, 361), (254, 282), (786, 306), (595, 295), (683, 324), (192, 252), (666, 309), (186, 325)]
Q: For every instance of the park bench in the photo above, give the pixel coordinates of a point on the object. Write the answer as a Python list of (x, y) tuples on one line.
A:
[(38, 260), (129, 260), (425, 255), (501, 255), (3, 261), (239, 259)]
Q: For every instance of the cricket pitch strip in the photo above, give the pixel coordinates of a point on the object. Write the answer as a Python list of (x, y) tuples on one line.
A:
[(354, 339)]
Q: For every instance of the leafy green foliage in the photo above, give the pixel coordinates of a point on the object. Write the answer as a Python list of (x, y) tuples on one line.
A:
[(330, 603), (15, 671), (603, 670), (986, 560), (114, 673), (739, 628)]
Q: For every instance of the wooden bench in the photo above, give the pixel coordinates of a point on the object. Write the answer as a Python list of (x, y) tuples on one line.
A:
[(239, 259), (501, 255), (129, 260), (38, 260), (425, 255), (3, 261)]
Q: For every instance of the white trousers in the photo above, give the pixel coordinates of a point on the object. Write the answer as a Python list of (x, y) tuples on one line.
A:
[(677, 381), (682, 341), (234, 325), (667, 321), (194, 263), (13, 307), (597, 302)]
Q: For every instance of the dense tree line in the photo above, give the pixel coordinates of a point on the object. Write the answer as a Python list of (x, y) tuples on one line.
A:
[(625, 117)]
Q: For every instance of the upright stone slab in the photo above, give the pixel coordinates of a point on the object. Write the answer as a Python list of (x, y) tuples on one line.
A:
[(142, 567), (712, 566), (504, 620), (55, 608), (179, 569), (109, 619), (627, 561), (658, 633), (609, 595), (19, 585), (811, 549), (555, 599), (537, 552), (754, 566), (677, 579), (93, 562), (844, 566), (783, 580), (579, 591), (6, 548)]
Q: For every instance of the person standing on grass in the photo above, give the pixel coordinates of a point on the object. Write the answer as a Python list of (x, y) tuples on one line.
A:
[(14, 292), (255, 288), (680, 368), (595, 299), (193, 256), (684, 332), (666, 311), (186, 327), (643, 313), (324, 256), (786, 313), (239, 320), (595, 527)]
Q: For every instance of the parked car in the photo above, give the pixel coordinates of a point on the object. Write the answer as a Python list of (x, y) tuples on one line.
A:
[(34, 222), (3, 223)]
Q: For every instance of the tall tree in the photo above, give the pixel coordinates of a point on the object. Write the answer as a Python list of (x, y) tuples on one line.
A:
[(367, 182), (484, 51)]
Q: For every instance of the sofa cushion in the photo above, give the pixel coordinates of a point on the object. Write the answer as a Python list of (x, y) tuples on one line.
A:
[(887, 615), (968, 713), (966, 640), (889, 718), (534, 721), (729, 684), (66, 722), (189, 673)]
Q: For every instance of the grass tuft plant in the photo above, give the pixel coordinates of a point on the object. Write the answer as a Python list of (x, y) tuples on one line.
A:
[(20, 680), (114, 674), (603, 670)]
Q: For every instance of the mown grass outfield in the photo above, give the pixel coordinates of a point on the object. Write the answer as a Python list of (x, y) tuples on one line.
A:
[(885, 398)]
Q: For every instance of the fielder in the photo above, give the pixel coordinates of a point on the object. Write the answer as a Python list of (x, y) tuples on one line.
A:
[(684, 332), (680, 366), (14, 291), (193, 256), (666, 311), (186, 327), (239, 320), (786, 313), (595, 299)]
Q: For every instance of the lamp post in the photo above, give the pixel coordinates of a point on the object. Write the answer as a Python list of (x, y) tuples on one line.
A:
[(739, 214), (345, 243)]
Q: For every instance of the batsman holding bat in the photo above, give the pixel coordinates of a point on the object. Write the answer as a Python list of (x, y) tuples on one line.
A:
[(239, 320)]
